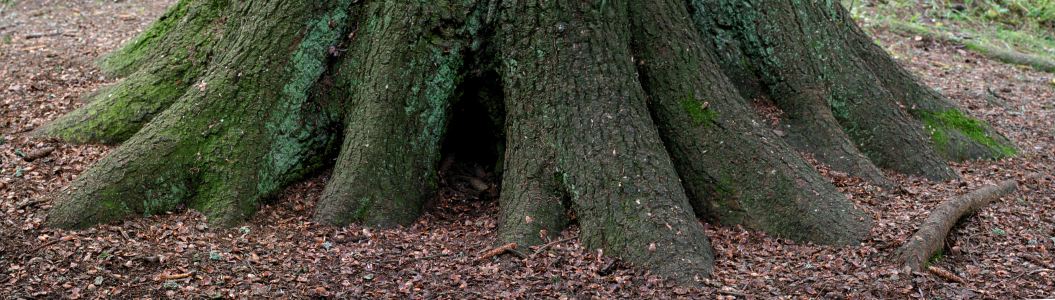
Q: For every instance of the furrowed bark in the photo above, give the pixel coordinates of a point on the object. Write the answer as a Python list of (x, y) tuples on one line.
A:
[(163, 63), (234, 140), (569, 80), (532, 202), (817, 80), (735, 170), (956, 135), (407, 62), (803, 97), (930, 237)]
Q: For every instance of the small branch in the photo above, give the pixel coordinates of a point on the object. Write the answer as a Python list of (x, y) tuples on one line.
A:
[(42, 34), (931, 234), (39, 153), (167, 277), (946, 274), (52, 242), (497, 251), (519, 254), (29, 203), (411, 259), (547, 245), (733, 293)]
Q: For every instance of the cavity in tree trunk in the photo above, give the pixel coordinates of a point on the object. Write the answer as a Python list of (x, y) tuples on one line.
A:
[(632, 119)]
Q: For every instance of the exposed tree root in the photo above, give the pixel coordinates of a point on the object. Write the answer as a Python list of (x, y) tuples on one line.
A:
[(931, 234), (186, 31), (116, 113), (820, 73), (572, 78), (955, 135), (617, 114), (225, 146), (404, 82), (161, 65), (734, 169)]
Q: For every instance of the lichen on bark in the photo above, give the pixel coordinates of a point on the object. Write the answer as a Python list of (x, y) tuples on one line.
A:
[(628, 118)]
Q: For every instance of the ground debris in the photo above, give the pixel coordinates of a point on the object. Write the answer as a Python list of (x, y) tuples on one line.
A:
[(1002, 252)]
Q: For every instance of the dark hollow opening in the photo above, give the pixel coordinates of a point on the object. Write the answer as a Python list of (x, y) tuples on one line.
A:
[(473, 149)]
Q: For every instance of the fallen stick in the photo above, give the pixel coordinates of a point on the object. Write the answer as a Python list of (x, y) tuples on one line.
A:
[(931, 234), (496, 251), (167, 277), (547, 245), (52, 242), (42, 34), (39, 153), (943, 273)]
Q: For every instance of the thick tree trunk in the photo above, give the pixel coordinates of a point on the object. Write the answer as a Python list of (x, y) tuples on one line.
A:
[(571, 87), (630, 118)]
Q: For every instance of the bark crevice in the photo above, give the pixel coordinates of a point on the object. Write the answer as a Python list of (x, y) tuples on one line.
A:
[(632, 116)]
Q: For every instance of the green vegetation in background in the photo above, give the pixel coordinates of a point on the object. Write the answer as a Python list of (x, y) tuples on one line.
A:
[(4, 4), (1012, 31)]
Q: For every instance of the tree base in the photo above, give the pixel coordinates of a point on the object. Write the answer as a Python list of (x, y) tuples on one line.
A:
[(629, 118)]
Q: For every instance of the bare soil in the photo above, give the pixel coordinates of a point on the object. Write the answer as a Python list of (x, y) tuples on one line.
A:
[(47, 48)]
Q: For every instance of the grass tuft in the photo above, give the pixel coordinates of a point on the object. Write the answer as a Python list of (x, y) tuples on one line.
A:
[(1012, 31)]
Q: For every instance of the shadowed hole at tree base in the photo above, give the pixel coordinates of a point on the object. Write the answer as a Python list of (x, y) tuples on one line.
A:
[(474, 146)]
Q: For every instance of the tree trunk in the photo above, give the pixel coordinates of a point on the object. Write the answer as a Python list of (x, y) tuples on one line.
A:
[(632, 119)]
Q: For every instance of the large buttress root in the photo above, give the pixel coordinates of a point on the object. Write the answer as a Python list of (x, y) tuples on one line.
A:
[(735, 170), (180, 32), (403, 78), (807, 120), (618, 114), (819, 69), (234, 140), (161, 64), (955, 135), (570, 81)]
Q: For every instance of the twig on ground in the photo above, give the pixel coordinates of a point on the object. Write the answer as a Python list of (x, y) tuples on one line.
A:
[(52, 242), (42, 34), (931, 234), (946, 274), (38, 154), (519, 254), (547, 245), (29, 203), (413, 258), (733, 293), (497, 251), (167, 277)]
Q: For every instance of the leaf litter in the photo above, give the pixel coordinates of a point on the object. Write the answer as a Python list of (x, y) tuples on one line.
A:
[(46, 52)]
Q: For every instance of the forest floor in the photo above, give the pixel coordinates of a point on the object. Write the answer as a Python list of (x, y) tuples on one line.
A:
[(47, 48)]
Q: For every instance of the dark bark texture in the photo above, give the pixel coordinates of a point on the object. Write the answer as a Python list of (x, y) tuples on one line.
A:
[(632, 119)]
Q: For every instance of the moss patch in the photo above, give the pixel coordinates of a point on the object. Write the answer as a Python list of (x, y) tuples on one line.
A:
[(699, 112), (941, 124)]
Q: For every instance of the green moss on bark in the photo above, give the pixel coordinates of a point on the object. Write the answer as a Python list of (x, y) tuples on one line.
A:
[(699, 112), (942, 124), (182, 31)]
